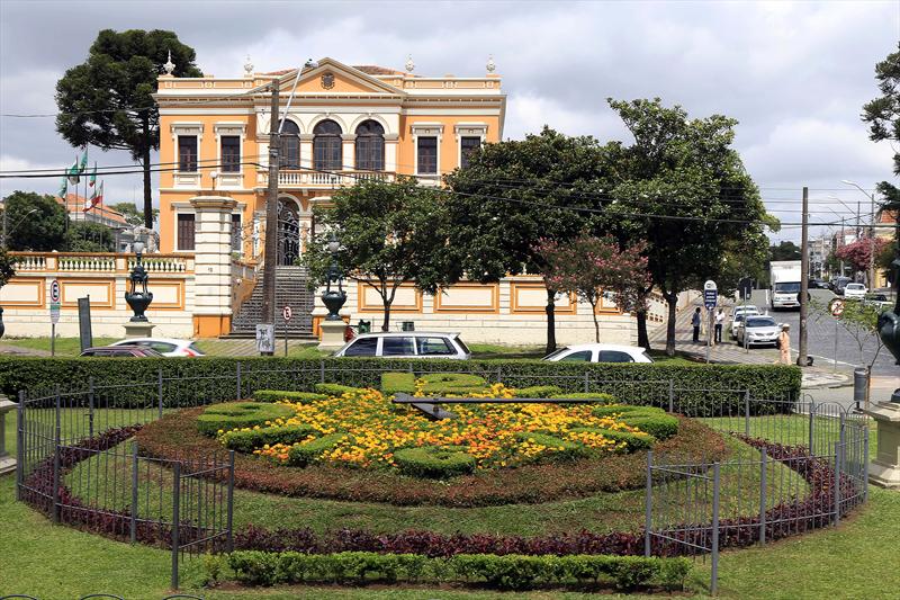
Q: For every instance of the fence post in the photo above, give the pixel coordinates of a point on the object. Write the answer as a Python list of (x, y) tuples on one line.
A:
[(747, 413), (837, 483), (714, 577), (671, 396), (56, 442), (159, 392), (865, 462), (499, 374), (812, 426), (648, 504), (20, 444), (321, 371), (176, 517), (230, 503), (239, 388), (842, 433), (134, 490), (763, 467), (91, 406), (587, 382)]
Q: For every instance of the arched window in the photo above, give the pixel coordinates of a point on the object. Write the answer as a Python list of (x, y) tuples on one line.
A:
[(370, 146), (290, 146), (327, 146)]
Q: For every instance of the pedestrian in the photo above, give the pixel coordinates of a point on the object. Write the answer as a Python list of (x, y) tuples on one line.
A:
[(784, 344), (695, 321), (720, 321)]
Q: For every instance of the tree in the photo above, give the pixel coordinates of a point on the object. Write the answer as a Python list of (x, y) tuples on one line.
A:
[(883, 113), (859, 253), (132, 215), (391, 234), (592, 268), (784, 251), (514, 194), (7, 267), (682, 187), (107, 100), (35, 222), (85, 236)]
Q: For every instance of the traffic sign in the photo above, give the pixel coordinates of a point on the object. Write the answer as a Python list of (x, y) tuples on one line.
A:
[(54, 291), (54, 313), (836, 307), (287, 313), (710, 294)]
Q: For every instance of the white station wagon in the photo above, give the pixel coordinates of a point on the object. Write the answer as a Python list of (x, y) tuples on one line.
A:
[(603, 353), (407, 344)]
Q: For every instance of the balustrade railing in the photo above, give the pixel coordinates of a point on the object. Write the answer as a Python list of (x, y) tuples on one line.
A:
[(99, 262), (342, 178)]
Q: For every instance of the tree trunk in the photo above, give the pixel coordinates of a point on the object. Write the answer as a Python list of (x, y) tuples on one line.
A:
[(596, 324), (643, 339), (551, 321), (145, 160), (672, 302), (386, 324)]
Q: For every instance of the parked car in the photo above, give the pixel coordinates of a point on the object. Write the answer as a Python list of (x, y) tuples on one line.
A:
[(877, 300), (600, 353), (818, 284), (407, 344), (855, 291), (165, 346), (737, 317), (123, 351), (838, 284), (760, 330)]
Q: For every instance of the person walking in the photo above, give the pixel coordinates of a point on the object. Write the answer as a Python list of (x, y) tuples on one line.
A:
[(720, 321), (784, 344), (695, 321)]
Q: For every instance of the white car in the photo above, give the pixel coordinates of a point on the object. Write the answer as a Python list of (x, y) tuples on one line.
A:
[(760, 330), (600, 353), (856, 291), (165, 346), (407, 344), (737, 317)]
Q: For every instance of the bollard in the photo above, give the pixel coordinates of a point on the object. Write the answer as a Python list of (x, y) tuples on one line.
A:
[(860, 385)]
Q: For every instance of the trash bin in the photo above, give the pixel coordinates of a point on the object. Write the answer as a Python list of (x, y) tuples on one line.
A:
[(407, 326), (860, 385), (364, 326)]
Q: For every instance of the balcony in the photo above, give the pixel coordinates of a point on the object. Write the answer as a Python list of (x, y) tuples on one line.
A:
[(315, 179)]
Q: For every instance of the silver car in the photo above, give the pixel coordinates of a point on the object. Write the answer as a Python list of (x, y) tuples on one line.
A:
[(407, 344), (759, 331)]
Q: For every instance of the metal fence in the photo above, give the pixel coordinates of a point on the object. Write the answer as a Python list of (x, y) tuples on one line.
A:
[(807, 466)]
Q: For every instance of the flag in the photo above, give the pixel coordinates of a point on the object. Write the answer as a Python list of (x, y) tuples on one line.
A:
[(84, 160), (95, 199), (73, 173), (63, 188), (93, 180)]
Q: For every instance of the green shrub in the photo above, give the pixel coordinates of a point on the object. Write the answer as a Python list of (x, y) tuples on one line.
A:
[(562, 449), (248, 441), (336, 389), (278, 396), (395, 383), (633, 441), (648, 419), (537, 391), (433, 462), (436, 384), (300, 455), (233, 415), (600, 398)]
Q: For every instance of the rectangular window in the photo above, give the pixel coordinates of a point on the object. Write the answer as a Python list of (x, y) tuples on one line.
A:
[(466, 145), (187, 153), (236, 232), (231, 153), (185, 232), (427, 155)]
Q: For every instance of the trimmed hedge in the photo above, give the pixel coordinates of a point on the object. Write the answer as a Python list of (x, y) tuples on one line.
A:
[(336, 389), (600, 398), (564, 449), (396, 383), (248, 441), (633, 441), (648, 419), (205, 380), (433, 462), (537, 391), (507, 572), (233, 415), (302, 455), (452, 383), (278, 396)]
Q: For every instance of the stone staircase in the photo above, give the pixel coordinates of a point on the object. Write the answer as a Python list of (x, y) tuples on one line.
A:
[(291, 290)]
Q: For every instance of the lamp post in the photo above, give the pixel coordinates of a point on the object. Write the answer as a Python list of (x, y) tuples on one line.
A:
[(138, 297), (333, 326), (871, 197)]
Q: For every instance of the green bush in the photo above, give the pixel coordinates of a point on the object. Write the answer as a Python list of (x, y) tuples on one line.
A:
[(563, 449), (433, 462), (537, 391), (336, 389), (233, 415), (599, 397), (395, 383), (248, 441), (648, 419), (633, 441), (278, 396), (436, 384), (300, 455), (508, 572)]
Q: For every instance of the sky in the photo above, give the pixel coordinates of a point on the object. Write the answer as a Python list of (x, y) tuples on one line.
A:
[(794, 74)]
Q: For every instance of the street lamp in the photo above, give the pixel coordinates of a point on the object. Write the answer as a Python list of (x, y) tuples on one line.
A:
[(333, 299), (871, 233), (138, 298)]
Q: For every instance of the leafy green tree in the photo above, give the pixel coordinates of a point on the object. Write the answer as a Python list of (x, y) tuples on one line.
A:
[(132, 215), (107, 100), (7, 267), (784, 251), (883, 113), (35, 222), (683, 188), (390, 233), (513, 195), (85, 236)]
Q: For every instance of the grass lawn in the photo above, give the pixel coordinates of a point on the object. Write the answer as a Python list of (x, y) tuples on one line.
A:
[(65, 346)]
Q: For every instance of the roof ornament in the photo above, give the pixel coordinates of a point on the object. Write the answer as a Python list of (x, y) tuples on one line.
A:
[(410, 65), (248, 67), (491, 65), (169, 66)]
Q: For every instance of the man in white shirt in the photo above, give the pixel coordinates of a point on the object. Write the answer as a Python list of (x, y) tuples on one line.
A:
[(720, 321)]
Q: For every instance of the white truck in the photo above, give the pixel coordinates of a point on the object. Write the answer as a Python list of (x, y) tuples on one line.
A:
[(785, 284)]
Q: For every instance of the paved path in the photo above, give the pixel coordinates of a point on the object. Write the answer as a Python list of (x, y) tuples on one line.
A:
[(248, 347)]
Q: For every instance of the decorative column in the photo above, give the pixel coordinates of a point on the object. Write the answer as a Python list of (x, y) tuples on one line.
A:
[(391, 141), (212, 265), (348, 152)]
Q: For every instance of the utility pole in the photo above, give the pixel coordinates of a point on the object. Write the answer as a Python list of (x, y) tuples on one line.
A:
[(271, 246), (804, 279)]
